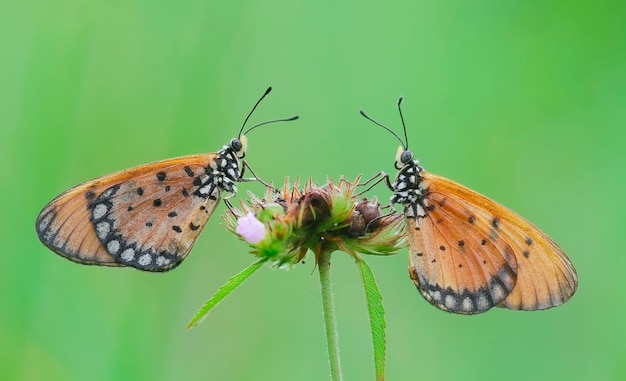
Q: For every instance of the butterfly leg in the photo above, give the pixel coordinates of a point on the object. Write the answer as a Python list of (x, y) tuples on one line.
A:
[(376, 219), (377, 178), (244, 165)]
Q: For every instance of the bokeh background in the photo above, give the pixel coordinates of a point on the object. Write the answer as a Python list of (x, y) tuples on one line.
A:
[(523, 101)]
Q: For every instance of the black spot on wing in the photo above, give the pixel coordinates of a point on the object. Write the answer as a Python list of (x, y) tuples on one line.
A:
[(495, 222)]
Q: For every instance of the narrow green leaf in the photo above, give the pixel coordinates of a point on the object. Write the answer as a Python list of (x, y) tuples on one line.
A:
[(226, 289), (377, 317)]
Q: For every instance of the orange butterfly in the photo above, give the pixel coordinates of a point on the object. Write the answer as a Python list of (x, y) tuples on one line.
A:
[(467, 253), (147, 217)]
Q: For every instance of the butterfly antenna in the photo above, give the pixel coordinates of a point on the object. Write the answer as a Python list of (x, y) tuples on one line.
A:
[(406, 138), (385, 127), (271, 121), (254, 108)]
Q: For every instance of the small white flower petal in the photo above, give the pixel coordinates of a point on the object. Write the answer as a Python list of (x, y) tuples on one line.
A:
[(251, 229)]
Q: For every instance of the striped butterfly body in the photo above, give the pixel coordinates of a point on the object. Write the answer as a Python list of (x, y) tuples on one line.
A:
[(147, 217), (467, 253)]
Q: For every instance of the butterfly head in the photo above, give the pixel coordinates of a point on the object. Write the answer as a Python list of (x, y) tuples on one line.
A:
[(239, 146), (404, 157)]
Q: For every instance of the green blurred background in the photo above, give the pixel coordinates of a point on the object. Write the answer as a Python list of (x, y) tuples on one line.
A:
[(524, 102)]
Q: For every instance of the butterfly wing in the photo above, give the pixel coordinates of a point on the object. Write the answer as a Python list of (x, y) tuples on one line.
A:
[(147, 217), (470, 253)]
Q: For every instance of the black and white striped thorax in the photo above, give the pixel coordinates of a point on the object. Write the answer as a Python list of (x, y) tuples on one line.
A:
[(409, 190), (221, 175)]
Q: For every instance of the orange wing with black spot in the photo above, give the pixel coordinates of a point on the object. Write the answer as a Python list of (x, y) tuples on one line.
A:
[(147, 217), (469, 254)]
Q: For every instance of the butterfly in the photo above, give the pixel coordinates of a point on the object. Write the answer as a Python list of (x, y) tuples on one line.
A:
[(147, 217), (468, 253)]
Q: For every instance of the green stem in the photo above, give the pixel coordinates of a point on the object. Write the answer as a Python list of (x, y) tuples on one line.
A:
[(332, 337)]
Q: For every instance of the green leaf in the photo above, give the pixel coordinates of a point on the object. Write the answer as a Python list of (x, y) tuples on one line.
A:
[(377, 317), (226, 289)]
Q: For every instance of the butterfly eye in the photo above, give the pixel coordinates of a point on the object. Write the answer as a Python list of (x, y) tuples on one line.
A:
[(236, 145), (239, 146), (403, 157), (243, 146), (406, 157)]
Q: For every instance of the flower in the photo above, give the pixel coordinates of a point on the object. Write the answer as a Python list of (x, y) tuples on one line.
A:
[(251, 229), (315, 218)]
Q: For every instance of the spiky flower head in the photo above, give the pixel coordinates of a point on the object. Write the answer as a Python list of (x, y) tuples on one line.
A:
[(283, 225)]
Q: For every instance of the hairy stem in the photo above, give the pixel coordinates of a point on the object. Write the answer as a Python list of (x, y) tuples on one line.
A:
[(330, 321)]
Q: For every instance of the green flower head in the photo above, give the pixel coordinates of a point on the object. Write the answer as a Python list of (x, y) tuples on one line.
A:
[(285, 224)]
